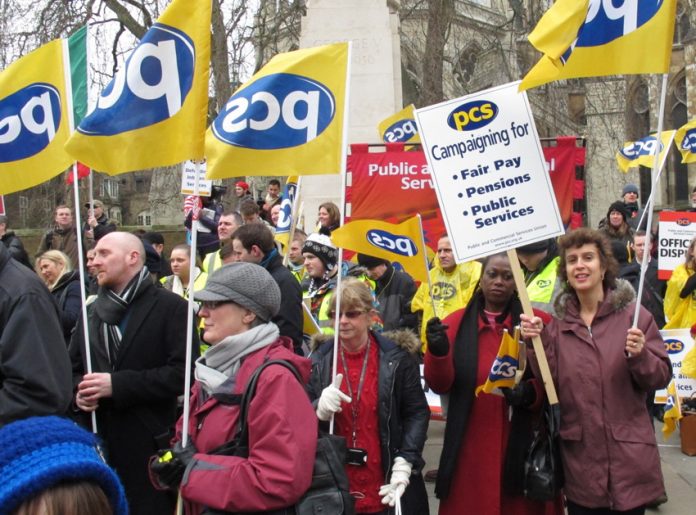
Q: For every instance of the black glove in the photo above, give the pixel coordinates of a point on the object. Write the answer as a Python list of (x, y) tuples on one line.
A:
[(689, 287), (167, 468), (436, 336), (522, 395)]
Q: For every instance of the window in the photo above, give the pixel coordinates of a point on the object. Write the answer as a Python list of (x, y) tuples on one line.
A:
[(144, 219), (109, 188)]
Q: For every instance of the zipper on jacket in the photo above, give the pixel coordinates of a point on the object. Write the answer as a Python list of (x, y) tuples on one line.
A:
[(391, 399)]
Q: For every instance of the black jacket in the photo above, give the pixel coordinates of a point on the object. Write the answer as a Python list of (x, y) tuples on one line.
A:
[(394, 291), (146, 379), (34, 364), (289, 318), (66, 293), (14, 245), (104, 226), (403, 411), (653, 289)]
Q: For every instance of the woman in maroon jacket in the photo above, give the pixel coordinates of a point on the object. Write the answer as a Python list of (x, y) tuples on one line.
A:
[(603, 368), (237, 304), (477, 475)]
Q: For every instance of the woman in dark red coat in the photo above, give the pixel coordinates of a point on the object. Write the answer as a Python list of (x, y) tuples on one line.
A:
[(470, 476)]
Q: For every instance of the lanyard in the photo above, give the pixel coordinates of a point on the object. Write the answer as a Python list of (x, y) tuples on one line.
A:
[(361, 381)]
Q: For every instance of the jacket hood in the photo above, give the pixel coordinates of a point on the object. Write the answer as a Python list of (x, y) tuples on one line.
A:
[(403, 338), (616, 299)]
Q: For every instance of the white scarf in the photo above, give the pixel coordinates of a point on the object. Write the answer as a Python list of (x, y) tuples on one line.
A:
[(221, 361)]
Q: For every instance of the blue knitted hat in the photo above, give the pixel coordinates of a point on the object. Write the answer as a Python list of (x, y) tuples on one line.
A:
[(41, 452)]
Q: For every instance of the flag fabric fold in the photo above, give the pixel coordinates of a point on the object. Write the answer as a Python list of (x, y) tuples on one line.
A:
[(154, 111), (592, 38), (672, 410), (642, 152), (287, 120), (35, 119), (504, 368), (685, 139), (394, 242)]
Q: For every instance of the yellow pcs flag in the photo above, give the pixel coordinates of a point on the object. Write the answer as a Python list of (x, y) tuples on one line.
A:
[(504, 368), (642, 152), (34, 123), (582, 38), (400, 127), (287, 120), (154, 111), (686, 142), (285, 220), (672, 410), (394, 242)]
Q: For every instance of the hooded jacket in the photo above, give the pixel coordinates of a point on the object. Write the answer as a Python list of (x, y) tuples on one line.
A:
[(608, 445), (403, 411), (282, 439)]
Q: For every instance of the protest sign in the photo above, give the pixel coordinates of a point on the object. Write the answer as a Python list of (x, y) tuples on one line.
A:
[(489, 172), (188, 179), (676, 229), (678, 343)]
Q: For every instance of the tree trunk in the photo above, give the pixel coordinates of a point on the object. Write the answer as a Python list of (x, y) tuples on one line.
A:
[(440, 14)]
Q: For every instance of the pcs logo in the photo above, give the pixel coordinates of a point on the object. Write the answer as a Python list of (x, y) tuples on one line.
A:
[(29, 120), (401, 131), (443, 291), (683, 222), (151, 87), (472, 115), (280, 110), (673, 346), (400, 245), (643, 147), (689, 141), (606, 22), (504, 367)]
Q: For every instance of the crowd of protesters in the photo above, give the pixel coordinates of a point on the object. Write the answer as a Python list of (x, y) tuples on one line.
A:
[(257, 299)]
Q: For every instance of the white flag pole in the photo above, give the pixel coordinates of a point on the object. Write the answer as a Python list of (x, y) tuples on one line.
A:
[(344, 160), (649, 204)]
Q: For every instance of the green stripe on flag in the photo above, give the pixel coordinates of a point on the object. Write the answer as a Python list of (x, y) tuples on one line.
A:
[(77, 47)]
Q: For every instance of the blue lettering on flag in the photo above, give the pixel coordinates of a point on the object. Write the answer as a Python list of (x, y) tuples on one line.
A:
[(29, 120), (150, 88), (280, 110)]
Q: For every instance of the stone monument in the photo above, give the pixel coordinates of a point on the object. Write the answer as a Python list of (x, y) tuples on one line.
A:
[(375, 83)]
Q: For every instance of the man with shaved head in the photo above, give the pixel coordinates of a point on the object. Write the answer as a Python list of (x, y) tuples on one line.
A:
[(137, 336)]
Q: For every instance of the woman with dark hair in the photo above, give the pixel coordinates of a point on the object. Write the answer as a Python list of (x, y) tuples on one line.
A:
[(477, 473), (329, 218), (603, 368), (680, 300), (616, 226), (380, 407)]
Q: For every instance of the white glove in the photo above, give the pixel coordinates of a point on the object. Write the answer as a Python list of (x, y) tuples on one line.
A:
[(331, 398), (401, 472)]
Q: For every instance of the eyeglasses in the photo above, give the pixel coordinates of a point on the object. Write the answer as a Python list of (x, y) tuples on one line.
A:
[(213, 304), (348, 314)]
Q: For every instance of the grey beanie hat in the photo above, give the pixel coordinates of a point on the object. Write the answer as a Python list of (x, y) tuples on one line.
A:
[(246, 284)]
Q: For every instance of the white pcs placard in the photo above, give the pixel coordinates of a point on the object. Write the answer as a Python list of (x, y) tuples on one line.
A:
[(489, 172), (188, 179)]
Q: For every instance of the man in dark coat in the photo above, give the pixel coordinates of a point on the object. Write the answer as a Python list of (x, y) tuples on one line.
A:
[(98, 224), (254, 243), (13, 243), (63, 236), (34, 364), (137, 335), (394, 290)]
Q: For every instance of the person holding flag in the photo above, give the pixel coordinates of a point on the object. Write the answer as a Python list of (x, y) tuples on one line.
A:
[(478, 437), (603, 364), (680, 297)]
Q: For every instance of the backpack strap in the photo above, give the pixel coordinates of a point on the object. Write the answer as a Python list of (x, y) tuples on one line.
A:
[(241, 438)]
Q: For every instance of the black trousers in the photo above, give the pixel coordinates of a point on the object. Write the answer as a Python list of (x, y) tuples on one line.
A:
[(576, 509)]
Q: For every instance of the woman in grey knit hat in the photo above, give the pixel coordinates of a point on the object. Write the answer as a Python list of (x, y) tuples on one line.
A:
[(237, 305)]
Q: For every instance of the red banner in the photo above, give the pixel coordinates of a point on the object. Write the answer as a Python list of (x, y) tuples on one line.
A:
[(393, 185)]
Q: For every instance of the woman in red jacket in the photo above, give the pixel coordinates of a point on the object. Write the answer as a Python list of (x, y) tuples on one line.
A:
[(237, 304), (603, 368), (473, 477)]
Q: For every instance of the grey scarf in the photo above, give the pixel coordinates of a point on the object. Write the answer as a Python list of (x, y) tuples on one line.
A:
[(221, 361)]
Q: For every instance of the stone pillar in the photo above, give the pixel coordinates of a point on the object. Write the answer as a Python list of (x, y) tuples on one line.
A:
[(375, 83)]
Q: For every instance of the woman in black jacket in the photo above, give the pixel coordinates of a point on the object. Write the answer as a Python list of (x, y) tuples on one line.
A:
[(56, 270), (380, 408)]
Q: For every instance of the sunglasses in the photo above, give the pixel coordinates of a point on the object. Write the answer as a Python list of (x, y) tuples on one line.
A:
[(213, 304), (348, 314)]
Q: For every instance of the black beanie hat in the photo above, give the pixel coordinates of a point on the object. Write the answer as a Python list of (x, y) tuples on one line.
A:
[(621, 208), (371, 261)]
